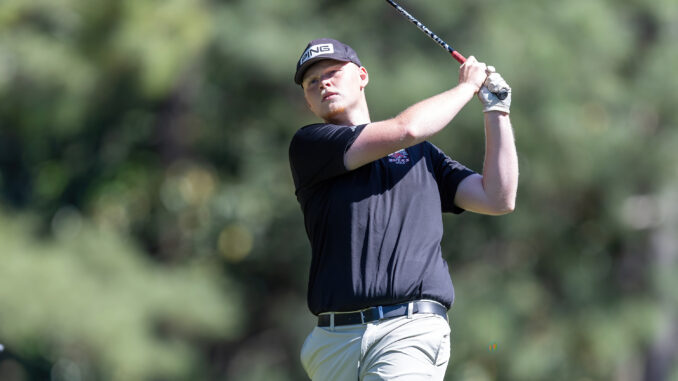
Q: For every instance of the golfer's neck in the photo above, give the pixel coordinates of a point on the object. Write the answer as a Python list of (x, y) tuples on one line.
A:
[(359, 114)]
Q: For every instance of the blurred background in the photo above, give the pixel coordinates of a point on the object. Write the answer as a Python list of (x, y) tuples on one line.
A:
[(149, 228)]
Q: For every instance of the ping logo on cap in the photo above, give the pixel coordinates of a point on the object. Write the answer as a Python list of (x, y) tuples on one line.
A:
[(316, 50)]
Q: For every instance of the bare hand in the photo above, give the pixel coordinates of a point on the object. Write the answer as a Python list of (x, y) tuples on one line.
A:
[(473, 73)]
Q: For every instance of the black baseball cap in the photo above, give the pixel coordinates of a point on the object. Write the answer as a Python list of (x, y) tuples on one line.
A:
[(324, 49)]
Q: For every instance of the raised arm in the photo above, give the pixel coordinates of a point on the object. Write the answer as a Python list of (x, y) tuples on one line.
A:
[(418, 122), (495, 191)]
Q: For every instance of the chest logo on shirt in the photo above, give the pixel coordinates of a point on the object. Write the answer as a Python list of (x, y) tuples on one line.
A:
[(399, 157)]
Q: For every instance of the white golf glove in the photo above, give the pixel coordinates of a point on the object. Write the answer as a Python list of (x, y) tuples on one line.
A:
[(495, 88)]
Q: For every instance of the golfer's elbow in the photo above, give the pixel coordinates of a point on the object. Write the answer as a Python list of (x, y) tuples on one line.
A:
[(500, 197), (497, 210), (505, 208), (416, 131), (410, 133), (501, 203), (505, 205)]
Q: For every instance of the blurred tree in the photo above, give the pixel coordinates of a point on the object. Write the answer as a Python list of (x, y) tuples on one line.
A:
[(148, 202), (89, 303)]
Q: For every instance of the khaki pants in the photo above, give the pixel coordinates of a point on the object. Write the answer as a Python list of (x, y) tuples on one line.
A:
[(413, 349)]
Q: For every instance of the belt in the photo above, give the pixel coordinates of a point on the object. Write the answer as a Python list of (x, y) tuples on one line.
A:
[(381, 312)]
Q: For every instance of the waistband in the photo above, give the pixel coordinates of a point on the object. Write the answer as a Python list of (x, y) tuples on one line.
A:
[(381, 312)]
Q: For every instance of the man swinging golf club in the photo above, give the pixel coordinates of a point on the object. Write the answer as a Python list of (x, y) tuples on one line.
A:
[(372, 195)]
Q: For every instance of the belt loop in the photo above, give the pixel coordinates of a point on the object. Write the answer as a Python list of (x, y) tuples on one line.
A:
[(332, 321), (381, 312), (410, 308)]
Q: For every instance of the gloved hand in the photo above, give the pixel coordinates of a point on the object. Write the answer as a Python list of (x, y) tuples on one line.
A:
[(495, 94)]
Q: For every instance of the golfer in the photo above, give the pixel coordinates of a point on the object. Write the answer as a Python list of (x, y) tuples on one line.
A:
[(372, 195)]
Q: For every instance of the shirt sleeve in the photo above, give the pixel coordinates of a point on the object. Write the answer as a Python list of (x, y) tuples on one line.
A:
[(317, 152), (448, 173)]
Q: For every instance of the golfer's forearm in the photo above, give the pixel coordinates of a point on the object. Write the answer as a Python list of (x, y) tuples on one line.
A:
[(500, 170), (414, 125), (426, 118)]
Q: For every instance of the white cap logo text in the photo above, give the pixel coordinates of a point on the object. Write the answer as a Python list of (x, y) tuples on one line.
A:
[(316, 50)]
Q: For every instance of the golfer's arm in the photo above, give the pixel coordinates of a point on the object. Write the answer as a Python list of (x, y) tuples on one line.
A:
[(414, 125), (495, 191)]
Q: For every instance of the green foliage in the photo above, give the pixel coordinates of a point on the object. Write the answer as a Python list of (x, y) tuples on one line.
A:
[(150, 229), (91, 298)]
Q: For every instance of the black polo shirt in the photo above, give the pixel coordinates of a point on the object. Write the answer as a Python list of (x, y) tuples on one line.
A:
[(375, 231)]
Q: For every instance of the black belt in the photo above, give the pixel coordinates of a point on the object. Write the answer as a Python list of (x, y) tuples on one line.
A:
[(382, 312)]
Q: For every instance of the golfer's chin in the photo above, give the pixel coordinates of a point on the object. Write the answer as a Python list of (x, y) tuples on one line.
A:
[(332, 112)]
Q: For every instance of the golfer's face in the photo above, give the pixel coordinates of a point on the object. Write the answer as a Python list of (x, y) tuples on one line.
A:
[(330, 87)]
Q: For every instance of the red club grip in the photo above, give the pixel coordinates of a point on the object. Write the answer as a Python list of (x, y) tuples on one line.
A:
[(458, 57)]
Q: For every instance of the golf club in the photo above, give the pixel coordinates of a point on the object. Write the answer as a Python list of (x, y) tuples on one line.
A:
[(457, 56)]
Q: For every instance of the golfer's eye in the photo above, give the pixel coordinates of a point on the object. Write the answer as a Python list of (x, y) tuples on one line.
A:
[(312, 82)]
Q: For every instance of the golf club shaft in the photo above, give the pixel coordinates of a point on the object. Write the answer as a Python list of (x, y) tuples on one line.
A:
[(426, 30)]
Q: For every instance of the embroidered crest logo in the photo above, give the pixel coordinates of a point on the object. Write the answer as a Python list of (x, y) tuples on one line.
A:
[(399, 157)]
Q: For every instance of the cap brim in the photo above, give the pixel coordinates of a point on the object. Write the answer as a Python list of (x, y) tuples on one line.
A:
[(299, 76)]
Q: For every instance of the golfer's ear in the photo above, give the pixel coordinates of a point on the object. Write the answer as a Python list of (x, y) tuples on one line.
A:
[(364, 77)]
